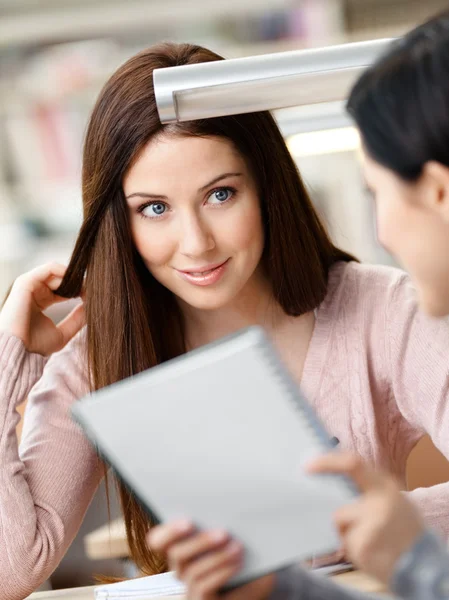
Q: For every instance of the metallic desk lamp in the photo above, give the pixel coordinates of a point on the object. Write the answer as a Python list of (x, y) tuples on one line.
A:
[(266, 82)]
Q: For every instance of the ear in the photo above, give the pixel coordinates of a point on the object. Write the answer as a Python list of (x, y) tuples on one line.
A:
[(435, 187)]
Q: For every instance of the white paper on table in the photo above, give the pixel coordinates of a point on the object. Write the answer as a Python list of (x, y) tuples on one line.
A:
[(154, 586)]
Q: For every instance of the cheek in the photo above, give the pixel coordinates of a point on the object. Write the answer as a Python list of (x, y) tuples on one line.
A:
[(152, 243), (391, 223), (404, 231), (244, 230)]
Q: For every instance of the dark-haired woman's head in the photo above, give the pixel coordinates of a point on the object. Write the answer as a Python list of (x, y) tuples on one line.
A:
[(401, 106), (179, 217)]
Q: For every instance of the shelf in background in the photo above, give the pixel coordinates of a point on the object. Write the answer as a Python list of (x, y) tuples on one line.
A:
[(94, 19)]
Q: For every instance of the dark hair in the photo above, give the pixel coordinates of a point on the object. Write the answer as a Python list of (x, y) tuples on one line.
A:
[(401, 102), (133, 322)]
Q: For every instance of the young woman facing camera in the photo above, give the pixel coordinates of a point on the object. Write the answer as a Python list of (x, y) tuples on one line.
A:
[(401, 106), (192, 231)]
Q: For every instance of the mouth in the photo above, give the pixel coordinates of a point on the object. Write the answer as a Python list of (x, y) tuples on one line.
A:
[(207, 275)]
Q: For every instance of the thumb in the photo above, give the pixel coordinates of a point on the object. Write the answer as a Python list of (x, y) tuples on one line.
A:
[(72, 323), (349, 465)]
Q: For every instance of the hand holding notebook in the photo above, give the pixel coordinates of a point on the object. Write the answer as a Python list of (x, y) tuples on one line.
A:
[(220, 435)]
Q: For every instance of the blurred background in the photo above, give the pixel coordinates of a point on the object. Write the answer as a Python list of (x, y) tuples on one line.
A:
[(55, 55)]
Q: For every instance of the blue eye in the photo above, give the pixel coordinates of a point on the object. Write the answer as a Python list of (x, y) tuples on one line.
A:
[(154, 209), (158, 209), (221, 195)]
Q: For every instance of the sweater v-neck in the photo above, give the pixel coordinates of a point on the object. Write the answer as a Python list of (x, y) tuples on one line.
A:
[(319, 346)]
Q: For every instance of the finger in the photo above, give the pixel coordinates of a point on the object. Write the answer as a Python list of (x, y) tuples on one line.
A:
[(183, 553), (45, 296), (161, 537), (347, 515), (347, 464), (54, 281), (346, 524), (41, 282), (83, 291), (213, 560), (209, 587), (72, 323), (44, 273)]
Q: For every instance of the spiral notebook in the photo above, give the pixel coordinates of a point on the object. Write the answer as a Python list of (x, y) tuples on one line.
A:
[(221, 436)]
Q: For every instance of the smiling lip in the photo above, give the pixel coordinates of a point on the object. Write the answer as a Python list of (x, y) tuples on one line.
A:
[(205, 275)]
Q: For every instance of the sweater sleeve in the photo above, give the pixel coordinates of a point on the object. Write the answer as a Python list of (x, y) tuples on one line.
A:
[(418, 351), (47, 484), (422, 573), (295, 583)]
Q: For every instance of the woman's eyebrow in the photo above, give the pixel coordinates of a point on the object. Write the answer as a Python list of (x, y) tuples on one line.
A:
[(219, 178), (146, 195)]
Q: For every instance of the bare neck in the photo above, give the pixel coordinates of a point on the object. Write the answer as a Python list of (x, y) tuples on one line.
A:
[(254, 306)]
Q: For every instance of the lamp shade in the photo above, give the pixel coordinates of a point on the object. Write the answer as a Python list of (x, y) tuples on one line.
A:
[(264, 82)]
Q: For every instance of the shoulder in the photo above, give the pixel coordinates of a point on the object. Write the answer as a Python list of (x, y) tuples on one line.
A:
[(380, 300), (355, 275), (369, 288)]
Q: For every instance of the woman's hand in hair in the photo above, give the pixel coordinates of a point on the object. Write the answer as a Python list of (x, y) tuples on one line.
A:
[(206, 561), (23, 315), (380, 525)]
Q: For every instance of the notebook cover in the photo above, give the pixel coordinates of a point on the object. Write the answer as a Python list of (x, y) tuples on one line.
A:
[(221, 436)]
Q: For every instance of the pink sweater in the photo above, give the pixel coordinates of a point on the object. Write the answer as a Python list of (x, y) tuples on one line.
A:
[(376, 372)]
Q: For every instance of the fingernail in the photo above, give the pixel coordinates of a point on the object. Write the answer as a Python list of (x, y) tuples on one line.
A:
[(219, 535), (54, 282)]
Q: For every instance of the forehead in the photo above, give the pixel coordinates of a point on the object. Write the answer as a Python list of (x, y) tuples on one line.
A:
[(194, 160)]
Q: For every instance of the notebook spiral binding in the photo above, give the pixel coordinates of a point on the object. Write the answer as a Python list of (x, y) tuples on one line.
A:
[(300, 405), (271, 357)]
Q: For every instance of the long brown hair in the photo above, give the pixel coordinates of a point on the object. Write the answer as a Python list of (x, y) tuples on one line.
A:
[(133, 322)]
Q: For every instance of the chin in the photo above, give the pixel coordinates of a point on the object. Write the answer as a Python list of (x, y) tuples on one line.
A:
[(206, 301)]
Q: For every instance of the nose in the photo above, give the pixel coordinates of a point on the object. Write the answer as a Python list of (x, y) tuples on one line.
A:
[(196, 237)]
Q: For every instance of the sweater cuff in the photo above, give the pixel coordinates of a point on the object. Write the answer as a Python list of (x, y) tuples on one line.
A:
[(423, 571), (19, 369), (287, 584)]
